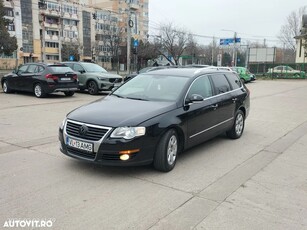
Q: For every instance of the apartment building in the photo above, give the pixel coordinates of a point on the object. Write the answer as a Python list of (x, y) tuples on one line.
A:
[(44, 28)]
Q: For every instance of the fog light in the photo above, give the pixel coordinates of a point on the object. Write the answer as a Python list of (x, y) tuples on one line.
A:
[(124, 157), (129, 151)]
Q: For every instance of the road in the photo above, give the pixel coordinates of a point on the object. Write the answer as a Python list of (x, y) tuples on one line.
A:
[(256, 182)]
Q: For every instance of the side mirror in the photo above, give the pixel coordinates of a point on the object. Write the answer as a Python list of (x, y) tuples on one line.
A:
[(14, 71), (82, 71), (194, 98)]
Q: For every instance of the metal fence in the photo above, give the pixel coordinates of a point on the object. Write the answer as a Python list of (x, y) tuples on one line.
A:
[(262, 69)]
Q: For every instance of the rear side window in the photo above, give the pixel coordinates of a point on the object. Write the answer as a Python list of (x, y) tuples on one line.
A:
[(60, 69), (234, 81), (221, 84)]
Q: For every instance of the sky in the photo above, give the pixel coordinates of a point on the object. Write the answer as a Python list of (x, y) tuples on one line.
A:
[(253, 20)]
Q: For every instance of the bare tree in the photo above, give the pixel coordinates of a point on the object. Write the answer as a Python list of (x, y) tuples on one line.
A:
[(291, 28), (172, 43)]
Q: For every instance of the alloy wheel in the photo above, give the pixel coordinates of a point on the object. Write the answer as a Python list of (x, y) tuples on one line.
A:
[(172, 150), (239, 124)]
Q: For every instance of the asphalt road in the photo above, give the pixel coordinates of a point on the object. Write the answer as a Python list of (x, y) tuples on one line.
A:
[(256, 182)]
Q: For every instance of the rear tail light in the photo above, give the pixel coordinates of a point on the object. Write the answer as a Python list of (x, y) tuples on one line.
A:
[(53, 77), (75, 77)]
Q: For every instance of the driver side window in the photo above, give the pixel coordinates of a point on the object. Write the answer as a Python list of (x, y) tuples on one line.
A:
[(22, 69), (78, 68), (201, 86)]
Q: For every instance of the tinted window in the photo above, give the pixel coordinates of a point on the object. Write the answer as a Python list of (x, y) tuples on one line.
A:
[(201, 86), (220, 83), (60, 69), (39, 69), (31, 68), (234, 80), (78, 68), (22, 69)]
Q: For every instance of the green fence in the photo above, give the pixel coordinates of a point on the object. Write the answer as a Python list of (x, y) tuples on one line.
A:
[(262, 69)]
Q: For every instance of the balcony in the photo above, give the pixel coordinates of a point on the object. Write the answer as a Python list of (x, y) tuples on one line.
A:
[(50, 50), (54, 13), (134, 6)]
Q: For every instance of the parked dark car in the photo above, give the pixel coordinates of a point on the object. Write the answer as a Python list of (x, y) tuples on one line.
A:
[(41, 79), (155, 116), (93, 77)]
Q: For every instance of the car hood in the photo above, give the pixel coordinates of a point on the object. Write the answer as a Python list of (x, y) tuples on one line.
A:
[(105, 75), (112, 111)]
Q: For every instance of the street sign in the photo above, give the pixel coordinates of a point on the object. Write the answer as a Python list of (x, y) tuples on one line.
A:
[(227, 41), (71, 57), (136, 43)]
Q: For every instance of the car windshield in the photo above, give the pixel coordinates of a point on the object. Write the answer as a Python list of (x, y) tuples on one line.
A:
[(90, 67), (144, 70), (152, 88)]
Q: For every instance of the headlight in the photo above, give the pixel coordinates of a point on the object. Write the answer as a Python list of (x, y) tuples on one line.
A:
[(63, 123), (128, 132), (103, 79)]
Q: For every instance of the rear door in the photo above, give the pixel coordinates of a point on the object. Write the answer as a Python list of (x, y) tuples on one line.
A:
[(223, 101)]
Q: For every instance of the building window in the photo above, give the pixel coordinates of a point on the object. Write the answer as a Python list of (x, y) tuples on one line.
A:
[(11, 27), (70, 9), (52, 44), (53, 6), (8, 12), (52, 32), (52, 57)]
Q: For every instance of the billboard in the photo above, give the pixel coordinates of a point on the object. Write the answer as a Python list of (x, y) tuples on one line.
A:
[(262, 55)]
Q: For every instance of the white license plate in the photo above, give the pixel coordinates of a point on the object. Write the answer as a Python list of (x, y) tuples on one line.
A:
[(65, 79), (79, 144)]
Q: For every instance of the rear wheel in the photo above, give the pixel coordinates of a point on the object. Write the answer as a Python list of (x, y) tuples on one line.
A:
[(296, 75), (92, 87), (236, 130), (69, 93), (6, 87), (38, 91), (166, 153)]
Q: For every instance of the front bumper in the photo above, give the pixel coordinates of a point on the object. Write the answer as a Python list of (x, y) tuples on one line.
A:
[(106, 151)]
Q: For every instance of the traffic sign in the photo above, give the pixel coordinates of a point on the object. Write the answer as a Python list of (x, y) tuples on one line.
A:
[(227, 41), (71, 58), (136, 43)]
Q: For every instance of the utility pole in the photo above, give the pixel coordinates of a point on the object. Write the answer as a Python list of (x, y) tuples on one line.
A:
[(234, 49), (60, 32), (129, 25), (43, 38), (213, 46)]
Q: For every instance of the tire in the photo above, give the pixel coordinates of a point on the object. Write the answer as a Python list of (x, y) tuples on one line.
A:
[(297, 75), (237, 129), (167, 151), (38, 91), (92, 87), (69, 93), (6, 88)]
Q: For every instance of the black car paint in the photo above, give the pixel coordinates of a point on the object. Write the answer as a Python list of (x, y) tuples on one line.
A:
[(158, 117), (26, 81)]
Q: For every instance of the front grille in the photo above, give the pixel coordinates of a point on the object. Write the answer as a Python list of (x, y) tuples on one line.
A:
[(80, 153), (115, 157), (93, 133), (115, 80)]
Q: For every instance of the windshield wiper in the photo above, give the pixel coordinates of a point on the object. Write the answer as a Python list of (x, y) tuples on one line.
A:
[(117, 95), (136, 98)]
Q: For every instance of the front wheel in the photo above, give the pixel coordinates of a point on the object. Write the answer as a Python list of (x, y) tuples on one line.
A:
[(6, 87), (69, 93), (236, 130), (166, 153), (92, 88)]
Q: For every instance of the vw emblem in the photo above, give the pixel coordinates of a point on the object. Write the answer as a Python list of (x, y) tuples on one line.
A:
[(83, 130)]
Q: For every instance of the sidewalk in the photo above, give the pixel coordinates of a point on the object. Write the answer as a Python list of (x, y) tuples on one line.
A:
[(274, 198)]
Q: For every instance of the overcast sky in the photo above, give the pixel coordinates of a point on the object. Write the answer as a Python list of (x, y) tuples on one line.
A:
[(254, 20)]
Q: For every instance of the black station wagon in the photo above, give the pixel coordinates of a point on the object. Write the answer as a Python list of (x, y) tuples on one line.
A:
[(152, 118)]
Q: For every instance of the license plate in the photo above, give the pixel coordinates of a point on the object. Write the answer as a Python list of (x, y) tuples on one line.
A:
[(65, 79), (79, 144)]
